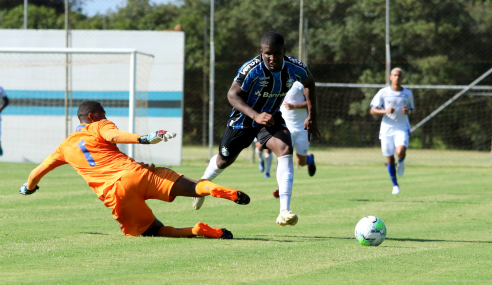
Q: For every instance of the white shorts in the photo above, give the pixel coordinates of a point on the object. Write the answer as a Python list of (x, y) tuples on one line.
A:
[(300, 142), (389, 143)]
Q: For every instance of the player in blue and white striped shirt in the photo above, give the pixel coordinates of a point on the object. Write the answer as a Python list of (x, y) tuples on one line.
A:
[(394, 103), (256, 95)]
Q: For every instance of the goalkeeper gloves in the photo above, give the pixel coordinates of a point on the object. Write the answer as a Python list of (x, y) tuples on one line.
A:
[(24, 191), (156, 137)]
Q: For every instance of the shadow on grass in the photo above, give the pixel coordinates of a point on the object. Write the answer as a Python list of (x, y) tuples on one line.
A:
[(322, 238), (438, 240), (266, 239), (94, 233), (420, 202)]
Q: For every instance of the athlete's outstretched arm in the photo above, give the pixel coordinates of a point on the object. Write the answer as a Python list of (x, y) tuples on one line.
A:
[(37, 174), (117, 136), (235, 97), (311, 123)]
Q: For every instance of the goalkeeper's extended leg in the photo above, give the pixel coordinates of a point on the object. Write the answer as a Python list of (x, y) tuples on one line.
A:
[(211, 172), (189, 188), (200, 229)]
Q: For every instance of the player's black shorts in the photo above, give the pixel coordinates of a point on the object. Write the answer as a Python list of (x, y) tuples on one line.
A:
[(234, 141)]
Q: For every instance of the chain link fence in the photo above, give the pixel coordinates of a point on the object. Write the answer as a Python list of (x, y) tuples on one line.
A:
[(445, 43)]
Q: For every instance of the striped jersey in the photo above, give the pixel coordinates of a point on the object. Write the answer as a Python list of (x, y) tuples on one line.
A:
[(265, 89)]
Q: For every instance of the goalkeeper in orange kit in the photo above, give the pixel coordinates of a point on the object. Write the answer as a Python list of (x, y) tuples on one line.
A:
[(123, 184)]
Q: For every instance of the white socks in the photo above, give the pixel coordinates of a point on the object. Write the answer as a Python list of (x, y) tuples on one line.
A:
[(285, 179), (212, 170), (268, 159)]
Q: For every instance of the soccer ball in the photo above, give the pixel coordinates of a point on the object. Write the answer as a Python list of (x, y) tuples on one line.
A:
[(370, 230)]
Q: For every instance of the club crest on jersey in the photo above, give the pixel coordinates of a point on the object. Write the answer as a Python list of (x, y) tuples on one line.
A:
[(290, 82), (224, 151)]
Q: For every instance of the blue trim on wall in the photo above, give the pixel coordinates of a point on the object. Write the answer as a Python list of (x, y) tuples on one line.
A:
[(110, 112), (90, 95), (93, 95)]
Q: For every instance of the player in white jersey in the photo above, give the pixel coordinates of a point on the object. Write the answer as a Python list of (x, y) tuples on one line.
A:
[(4, 104), (294, 111), (394, 103)]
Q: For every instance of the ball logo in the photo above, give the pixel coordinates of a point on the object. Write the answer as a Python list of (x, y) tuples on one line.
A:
[(224, 151)]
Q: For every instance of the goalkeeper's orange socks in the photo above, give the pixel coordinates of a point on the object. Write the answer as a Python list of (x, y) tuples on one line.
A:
[(199, 229), (176, 232), (204, 230), (206, 187)]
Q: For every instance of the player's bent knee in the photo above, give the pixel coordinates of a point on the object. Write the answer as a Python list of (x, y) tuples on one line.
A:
[(151, 232)]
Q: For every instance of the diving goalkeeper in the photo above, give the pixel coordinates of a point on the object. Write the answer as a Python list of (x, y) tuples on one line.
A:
[(123, 184)]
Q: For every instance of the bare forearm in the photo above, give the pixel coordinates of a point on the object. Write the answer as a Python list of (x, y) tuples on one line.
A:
[(237, 102), (378, 112), (310, 93), (302, 105)]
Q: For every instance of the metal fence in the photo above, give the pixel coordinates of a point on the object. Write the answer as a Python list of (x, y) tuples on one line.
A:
[(444, 42)]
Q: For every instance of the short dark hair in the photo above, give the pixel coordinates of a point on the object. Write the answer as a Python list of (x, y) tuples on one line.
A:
[(87, 107), (272, 39)]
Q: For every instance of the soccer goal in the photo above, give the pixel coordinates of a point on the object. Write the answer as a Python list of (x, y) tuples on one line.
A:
[(45, 86), (450, 126)]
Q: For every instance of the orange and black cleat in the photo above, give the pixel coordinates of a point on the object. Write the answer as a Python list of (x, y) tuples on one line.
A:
[(237, 196), (204, 230)]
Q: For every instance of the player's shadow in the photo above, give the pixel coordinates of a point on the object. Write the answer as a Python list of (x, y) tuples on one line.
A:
[(419, 202), (266, 239), (419, 240), (438, 240), (94, 233)]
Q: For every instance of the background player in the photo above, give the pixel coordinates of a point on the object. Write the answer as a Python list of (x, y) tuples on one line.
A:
[(5, 102), (394, 103), (265, 158), (256, 94), (294, 111), (121, 183)]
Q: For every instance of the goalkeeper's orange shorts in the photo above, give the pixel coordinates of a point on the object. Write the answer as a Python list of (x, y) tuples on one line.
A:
[(127, 197)]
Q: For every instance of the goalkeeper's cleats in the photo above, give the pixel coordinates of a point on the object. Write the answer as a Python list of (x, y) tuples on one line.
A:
[(156, 137), (24, 191), (203, 230), (198, 202), (226, 234), (396, 190), (401, 168), (286, 217), (236, 196)]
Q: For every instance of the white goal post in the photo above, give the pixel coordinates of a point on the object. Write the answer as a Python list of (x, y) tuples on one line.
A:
[(15, 59)]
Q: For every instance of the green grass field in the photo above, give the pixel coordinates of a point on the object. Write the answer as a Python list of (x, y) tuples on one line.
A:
[(439, 230)]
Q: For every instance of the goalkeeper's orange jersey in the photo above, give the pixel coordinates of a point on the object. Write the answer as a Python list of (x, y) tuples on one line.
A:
[(91, 150)]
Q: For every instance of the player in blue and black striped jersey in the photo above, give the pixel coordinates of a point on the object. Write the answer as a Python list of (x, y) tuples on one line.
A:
[(256, 95)]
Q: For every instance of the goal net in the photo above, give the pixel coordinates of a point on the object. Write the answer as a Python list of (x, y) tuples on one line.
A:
[(46, 86), (451, 125)]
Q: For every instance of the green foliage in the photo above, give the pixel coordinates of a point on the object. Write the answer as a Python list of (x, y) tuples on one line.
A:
[(435, 42)]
